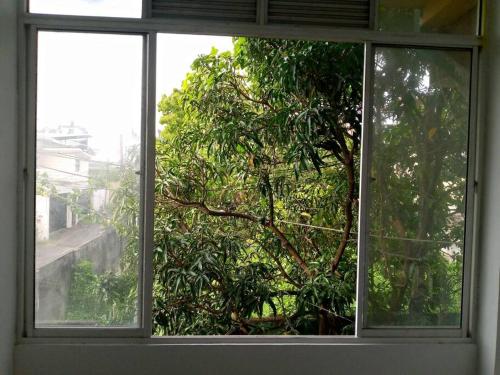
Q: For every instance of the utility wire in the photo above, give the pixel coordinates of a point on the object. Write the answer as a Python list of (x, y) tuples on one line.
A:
[(371, 235), (69, 156), (79, 175), (66, 172), (315, 226)]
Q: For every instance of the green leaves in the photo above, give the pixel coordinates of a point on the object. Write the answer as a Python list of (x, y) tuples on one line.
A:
[(251, 131), (107, 299)]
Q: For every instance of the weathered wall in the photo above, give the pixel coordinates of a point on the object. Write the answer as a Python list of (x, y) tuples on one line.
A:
[(53, 281)]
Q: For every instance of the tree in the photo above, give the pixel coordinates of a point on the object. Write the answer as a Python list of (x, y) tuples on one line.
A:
[(256, 191), (418, 173), (259, 147)]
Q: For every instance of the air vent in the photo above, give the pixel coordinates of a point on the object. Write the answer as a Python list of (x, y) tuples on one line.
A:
[(218, 10), (337, 13)]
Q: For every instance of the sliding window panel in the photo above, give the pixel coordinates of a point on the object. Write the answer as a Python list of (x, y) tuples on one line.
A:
[(416, 188), (88, 221), (429, 16)]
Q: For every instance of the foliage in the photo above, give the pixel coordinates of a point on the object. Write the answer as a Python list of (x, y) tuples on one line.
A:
[(259, 147), (43, 185), (418, 175), (257, 189), (109, 297), (104, 299)]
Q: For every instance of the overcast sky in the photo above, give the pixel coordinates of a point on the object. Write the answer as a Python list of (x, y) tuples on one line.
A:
[(176, 53), (94, 80), (111, 8)]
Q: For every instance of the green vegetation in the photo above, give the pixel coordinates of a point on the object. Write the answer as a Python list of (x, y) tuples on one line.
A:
[(110, 298), (260, 147), (257, 194), (106, 299), (418, 175)]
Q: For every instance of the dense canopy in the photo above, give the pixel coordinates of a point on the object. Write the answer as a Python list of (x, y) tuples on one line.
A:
[(256, 193)]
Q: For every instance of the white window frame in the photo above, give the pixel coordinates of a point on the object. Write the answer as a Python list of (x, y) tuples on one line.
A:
[(145, 206), (30, 24)]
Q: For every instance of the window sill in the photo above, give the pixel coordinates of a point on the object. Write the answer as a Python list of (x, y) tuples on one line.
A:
[(158, 355)]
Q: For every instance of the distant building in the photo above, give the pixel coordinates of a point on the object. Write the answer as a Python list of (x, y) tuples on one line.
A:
[(63, 158)]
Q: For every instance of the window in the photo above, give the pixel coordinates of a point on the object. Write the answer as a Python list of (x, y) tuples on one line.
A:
[(417, 187), (291, 196), (254, 201), (88, 144)]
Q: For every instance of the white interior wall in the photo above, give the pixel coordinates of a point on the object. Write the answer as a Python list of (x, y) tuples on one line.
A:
[(489, 248), (8, 156), (243, 359)]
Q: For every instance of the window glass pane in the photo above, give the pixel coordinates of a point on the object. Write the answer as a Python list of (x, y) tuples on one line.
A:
[(417, 187), (102, 8), (256, 190), (87, 182), (443, 16)]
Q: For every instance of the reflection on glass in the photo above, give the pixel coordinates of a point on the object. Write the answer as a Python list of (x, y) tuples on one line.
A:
[(87, 186), (101, 8), (417, 187), (443, 16)]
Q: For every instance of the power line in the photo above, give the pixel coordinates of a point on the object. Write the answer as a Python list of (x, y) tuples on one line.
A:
[(371, 235), (80, 175), (316, 226), (61, 171), (69, 156)]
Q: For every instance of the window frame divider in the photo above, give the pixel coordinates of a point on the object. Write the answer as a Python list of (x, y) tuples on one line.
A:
[(374, 6), (29, 182), (362, 271), (262, 11), (471, 210), (149, 185), (21, 176), (147, 6)]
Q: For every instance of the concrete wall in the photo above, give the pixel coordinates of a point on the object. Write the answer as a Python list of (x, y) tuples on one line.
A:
[(8, 181), (42, 217), (53, 281)]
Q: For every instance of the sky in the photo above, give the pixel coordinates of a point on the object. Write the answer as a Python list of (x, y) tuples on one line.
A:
[(94, 80), (110, 8), (175, 54)]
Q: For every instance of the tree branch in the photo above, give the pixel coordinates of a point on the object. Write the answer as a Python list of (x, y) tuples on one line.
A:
[(220, 213), (243, 93), (270, 197), (240, 215), (282, 269), (349, 165), (289, 247)]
